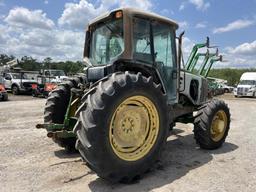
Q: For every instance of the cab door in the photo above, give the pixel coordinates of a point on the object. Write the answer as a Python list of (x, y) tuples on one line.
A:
[(165, 57), (8, 81)]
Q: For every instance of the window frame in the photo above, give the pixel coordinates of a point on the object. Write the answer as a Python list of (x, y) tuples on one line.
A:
[(152, 46), (90, 39)]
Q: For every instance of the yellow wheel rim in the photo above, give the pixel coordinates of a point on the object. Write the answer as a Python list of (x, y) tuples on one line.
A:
[(219, 125), (134, 128)]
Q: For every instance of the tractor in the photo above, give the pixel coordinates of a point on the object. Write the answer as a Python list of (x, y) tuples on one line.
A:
[(136, 86)]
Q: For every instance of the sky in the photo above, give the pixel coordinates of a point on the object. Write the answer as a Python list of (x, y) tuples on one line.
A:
[(56, 28)]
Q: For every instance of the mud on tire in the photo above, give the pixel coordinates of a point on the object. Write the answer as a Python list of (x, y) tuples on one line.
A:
[(94, 117), (56, 106)]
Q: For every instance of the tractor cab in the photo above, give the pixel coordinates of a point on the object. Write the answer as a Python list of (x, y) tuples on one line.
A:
[(132, 40)]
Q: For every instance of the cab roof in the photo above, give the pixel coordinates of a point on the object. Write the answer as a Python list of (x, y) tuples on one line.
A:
[(136, 12)]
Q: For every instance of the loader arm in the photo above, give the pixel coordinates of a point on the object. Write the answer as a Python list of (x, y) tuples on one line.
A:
[(194, 52)]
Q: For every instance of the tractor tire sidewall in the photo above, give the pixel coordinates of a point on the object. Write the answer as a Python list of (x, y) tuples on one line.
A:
[(56, 107), (60, 99), (104, 160), (104, 121), (202, 125)]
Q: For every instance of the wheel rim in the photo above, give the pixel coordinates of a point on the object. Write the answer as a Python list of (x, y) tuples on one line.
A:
[(219, 126), (134, 128)]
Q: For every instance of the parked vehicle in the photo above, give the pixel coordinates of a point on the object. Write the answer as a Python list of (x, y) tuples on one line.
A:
[(247, 85), (44, 86), (18, 82), (56, 76), (227, 88), (215, 88), (3, 92)]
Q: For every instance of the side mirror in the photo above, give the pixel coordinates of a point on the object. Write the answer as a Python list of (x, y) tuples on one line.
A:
[(8, 78)]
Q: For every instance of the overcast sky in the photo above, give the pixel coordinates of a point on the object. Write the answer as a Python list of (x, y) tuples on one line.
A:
[(55, 28)]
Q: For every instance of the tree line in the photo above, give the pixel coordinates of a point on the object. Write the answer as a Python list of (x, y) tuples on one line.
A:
[(230, 74), (28, 63), (70, 67)]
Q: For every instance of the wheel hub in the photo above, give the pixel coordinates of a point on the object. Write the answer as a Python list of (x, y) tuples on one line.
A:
[(134, 128), (219, 125)]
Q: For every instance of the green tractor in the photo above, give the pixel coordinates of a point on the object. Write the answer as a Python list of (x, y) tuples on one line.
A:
[(120, 113)]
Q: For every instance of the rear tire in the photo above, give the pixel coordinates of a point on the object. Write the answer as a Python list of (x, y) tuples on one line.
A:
[(15, 90), (56, 107), (226, 90), (212, 125), (96, 134)]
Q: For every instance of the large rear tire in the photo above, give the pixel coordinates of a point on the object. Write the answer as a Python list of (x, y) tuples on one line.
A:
[(122, 126), (212, 125), (56, 107)]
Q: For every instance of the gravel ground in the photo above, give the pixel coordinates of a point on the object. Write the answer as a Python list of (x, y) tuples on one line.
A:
[(29, 161)]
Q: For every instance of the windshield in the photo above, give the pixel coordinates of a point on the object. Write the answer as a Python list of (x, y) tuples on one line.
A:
[(19, 76), (107, 42), (57, 73), (247, 82)]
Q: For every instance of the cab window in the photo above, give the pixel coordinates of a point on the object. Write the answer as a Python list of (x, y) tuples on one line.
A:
[(141, 41)]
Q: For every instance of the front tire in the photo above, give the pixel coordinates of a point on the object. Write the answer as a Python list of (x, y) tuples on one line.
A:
[(15, 90), (212, 125), (122, 126)]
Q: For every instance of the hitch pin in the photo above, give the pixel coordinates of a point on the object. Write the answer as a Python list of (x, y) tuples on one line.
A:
[(40, 126)]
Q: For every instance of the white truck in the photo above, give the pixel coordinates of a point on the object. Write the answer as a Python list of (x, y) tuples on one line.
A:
[(18, 82), (57, 76), (247, 85)]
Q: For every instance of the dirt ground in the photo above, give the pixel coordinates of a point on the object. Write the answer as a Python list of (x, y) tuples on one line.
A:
[(29, 161)]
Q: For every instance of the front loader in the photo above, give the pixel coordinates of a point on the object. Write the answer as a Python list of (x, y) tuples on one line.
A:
[(120, 112)]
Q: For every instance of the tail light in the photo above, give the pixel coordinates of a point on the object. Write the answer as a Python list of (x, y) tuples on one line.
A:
[(49, 86), (2, 88), (34, 86)]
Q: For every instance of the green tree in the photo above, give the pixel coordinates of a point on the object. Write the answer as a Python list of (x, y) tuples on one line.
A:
[(231, 75), (29, 64), (47, 63)]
